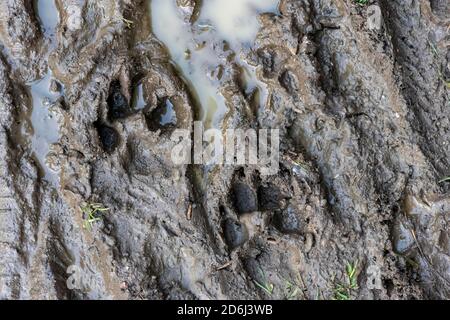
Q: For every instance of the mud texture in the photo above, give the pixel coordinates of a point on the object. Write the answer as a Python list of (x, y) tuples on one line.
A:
[(364, 129)]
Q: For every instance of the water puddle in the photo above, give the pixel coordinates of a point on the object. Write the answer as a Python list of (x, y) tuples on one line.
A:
[(197, 48), (45, 94), (48, 16), (168, 116)]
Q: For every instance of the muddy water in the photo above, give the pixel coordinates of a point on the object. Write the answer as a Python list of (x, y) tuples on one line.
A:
[(198, 48), (44, 121), (138, 98), (168, 115), (48, 16)]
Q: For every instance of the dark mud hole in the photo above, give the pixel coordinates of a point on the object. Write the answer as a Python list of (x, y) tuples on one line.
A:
[(364, 119)]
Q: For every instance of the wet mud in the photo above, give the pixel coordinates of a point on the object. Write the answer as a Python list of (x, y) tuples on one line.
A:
[(91, 92)]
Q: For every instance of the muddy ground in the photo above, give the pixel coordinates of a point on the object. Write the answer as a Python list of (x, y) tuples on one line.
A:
[(364, 127)]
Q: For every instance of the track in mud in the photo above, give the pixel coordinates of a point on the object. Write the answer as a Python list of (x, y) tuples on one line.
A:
[(88, 105)]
